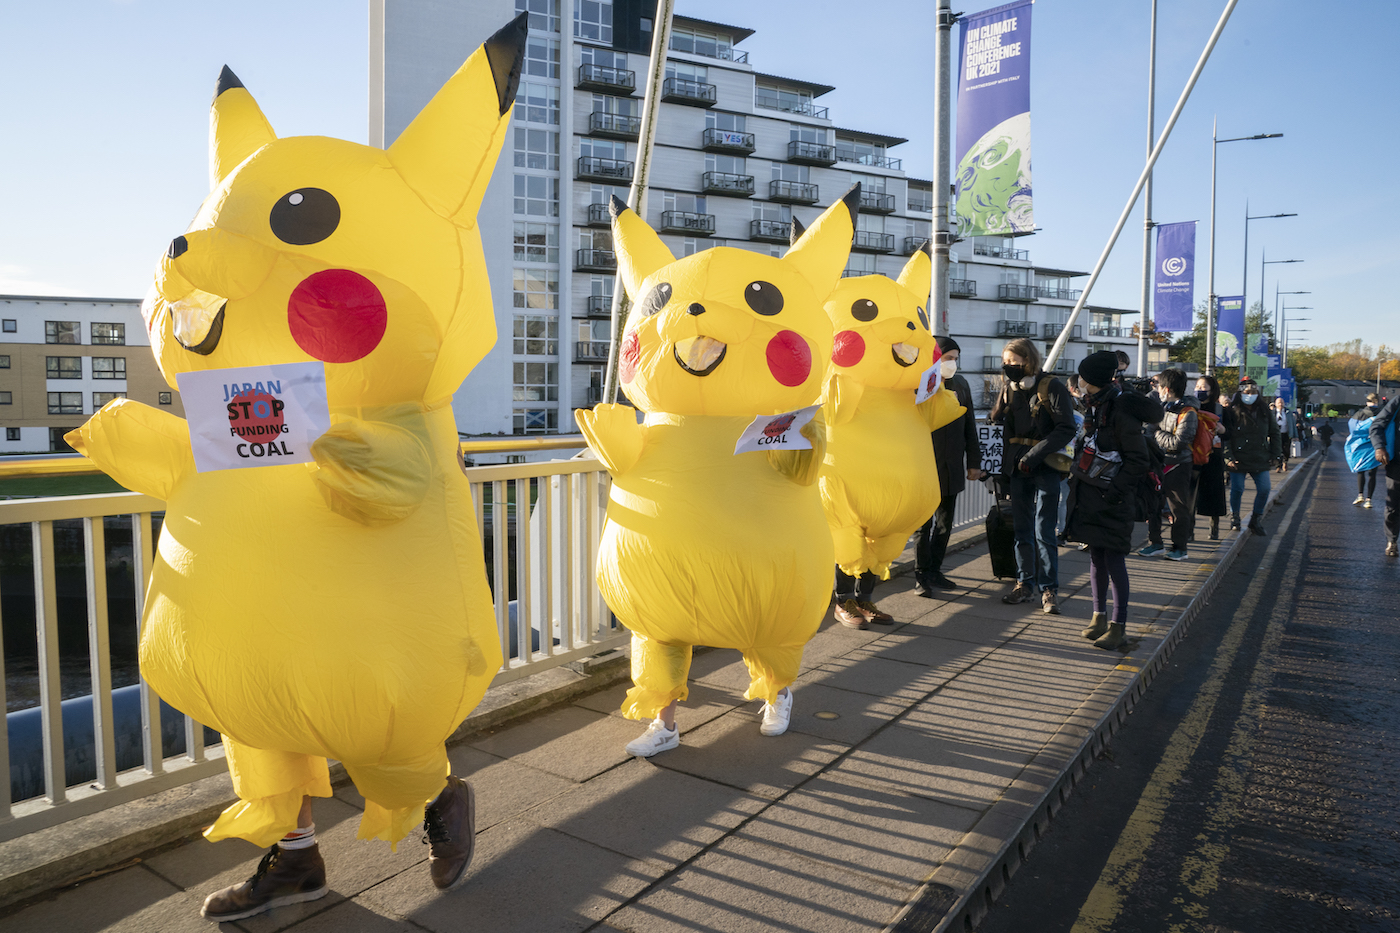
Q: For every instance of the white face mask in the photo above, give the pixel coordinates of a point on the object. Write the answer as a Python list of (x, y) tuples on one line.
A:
[(1249, 398), (948, 367)]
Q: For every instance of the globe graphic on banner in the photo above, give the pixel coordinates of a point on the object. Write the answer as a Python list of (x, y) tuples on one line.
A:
[(1227, 349), (994, 181)]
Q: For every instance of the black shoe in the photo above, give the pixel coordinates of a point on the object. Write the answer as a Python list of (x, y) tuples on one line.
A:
[(942, 582), (1021, 593), (922, 587), (449, 824), (1256, 525), (284, 876)]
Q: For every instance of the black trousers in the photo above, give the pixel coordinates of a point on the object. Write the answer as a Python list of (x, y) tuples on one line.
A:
[(932, 545)]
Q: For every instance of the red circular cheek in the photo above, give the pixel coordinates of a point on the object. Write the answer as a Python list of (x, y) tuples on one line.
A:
[(631, 350), (848, 348), (789, 358), (337, 316)]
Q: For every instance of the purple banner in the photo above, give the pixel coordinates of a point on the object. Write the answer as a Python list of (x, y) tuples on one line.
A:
[(1173, 308)]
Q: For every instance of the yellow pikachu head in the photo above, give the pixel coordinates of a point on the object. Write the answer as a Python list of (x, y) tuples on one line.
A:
[(728, 331), (882, 336), (309, 248)]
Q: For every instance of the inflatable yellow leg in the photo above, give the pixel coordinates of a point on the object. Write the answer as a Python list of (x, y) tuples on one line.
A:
[(883, 551), (850, 549), (771, 668), (395, 793), (659, 673), (270, 786)]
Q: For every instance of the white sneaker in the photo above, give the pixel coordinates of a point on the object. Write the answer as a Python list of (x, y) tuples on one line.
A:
[(1358, 500), (1366, 504), (776, 716), (656, 739)]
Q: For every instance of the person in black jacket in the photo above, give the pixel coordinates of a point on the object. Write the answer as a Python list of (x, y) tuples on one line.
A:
[(1036, 413), (1386, 455), (1210, 489), (953, 444)]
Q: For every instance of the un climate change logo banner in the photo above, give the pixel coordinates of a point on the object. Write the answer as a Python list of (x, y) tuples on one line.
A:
[(993, 152), (1173, 303)]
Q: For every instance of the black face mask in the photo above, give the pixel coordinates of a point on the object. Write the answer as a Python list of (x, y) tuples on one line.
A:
[(1014, 371), (1203, 395)]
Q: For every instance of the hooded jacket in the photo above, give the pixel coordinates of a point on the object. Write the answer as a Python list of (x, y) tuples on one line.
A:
[(1177, 430), (1253, 442)]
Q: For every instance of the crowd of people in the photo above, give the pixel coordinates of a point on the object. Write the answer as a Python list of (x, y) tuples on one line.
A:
[(1085, 459)]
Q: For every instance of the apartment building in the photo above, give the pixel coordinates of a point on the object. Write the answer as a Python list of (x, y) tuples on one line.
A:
[(61, 359)]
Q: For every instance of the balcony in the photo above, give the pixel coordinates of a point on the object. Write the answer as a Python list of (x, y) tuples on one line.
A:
[(1106, 330), (599, 215), (811, 153), (595, 260), (1064, 294), (1016, 328), (770, 101), (691, 93), (875, 203), (687, 222), (714, 51), (600, 78), (872, 242), (727, 183), (592, 167), (962, 288), (598, 306), (999, 252), (591, 351), (770, 231), (1053, 330), (614, 125), (879, 161), (912, 244), (794, 192), (1016, 292), (714, 140)]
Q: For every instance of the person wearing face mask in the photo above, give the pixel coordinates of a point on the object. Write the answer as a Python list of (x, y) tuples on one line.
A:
[(1287, 431), (959, 456), (1210, 479), (1175, 434), (1036, 413), (1252, 449)]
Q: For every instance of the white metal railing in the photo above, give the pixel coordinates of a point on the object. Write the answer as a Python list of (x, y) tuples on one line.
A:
[(548, 612)]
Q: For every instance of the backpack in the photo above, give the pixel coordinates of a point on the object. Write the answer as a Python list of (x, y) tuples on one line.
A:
[(1204, 440), (1061, 460)]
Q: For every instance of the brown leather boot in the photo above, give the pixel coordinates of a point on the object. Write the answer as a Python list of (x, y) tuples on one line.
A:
[(450, 832), (284, 876)]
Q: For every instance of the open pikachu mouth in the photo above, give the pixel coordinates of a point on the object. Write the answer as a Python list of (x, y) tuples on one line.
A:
[(198, 321), (904, 354), (699, 355)]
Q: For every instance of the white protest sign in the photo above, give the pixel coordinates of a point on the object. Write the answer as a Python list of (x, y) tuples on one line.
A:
[(255, 416), (777, 432), (929, 382)]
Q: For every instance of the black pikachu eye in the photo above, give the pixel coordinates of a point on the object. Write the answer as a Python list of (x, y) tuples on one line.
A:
[(923, 317), (764, 297), (304, 216), (656, 300), (863, 309)]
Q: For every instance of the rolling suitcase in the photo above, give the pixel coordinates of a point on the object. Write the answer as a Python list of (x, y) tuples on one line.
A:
[(1001, 534)]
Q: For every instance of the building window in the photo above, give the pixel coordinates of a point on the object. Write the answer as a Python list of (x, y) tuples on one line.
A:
[(536, 382), (921, 200), (537, 103), (701, 42), (109, 334), (62, 332), (923, 230), (603, 148), (774, 98), (870, 223), (869, 184), (860, 264), (603, 194), (768, 210), (536, 420), (595, 239), (109, 367), (860, 151), (65, 403), (536, 242), (536, 196), (11, 434), (800, 173), (596, 331), (807, 134), (536, 335), (536, 149), (5, 362), (7, 398), (690, 203), (63, 367), (537, 289), (102, 398), (730, 122), (734, 165), (166, 398), (619, 106), (700, 74), (593, 19), (603, 58), (1012, 312), (9, 325), (691, 245), (544, 14), (542, 58)]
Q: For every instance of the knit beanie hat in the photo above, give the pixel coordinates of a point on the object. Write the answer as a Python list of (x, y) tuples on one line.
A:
[(1098, 369), (947, 343)]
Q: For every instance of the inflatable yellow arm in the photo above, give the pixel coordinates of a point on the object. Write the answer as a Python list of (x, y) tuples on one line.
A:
[(940, 408), (143, 448), (841, 399), (802, 466), (614, 435), (371, 472)]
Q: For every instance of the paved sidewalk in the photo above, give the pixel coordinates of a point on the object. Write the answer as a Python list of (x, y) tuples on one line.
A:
[(919, 755)]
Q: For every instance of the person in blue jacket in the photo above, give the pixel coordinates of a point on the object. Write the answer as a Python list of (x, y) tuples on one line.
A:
[(1383, 440)]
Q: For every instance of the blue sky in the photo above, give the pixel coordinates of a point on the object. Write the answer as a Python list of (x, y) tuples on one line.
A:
[(104, 108)]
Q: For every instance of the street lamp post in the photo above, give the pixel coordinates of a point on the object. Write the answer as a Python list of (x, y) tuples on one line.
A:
[(1278, 321), (1244, 358), (1263, 261), (1283, 357), (1210, 300)]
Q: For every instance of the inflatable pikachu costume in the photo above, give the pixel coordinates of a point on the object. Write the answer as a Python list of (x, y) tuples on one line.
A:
[(878, 480), (703, 546), (338, 609)]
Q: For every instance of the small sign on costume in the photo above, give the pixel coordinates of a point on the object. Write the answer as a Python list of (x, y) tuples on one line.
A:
[(255, 416), (929, 382), (777, 432)]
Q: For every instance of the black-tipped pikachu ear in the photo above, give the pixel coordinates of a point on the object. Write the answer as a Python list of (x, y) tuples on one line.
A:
[(796, 233), (237, 127), (640, 251), (821, 252), (448, 152)]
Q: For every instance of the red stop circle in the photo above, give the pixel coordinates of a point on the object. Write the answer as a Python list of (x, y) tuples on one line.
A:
[(256, 417)]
